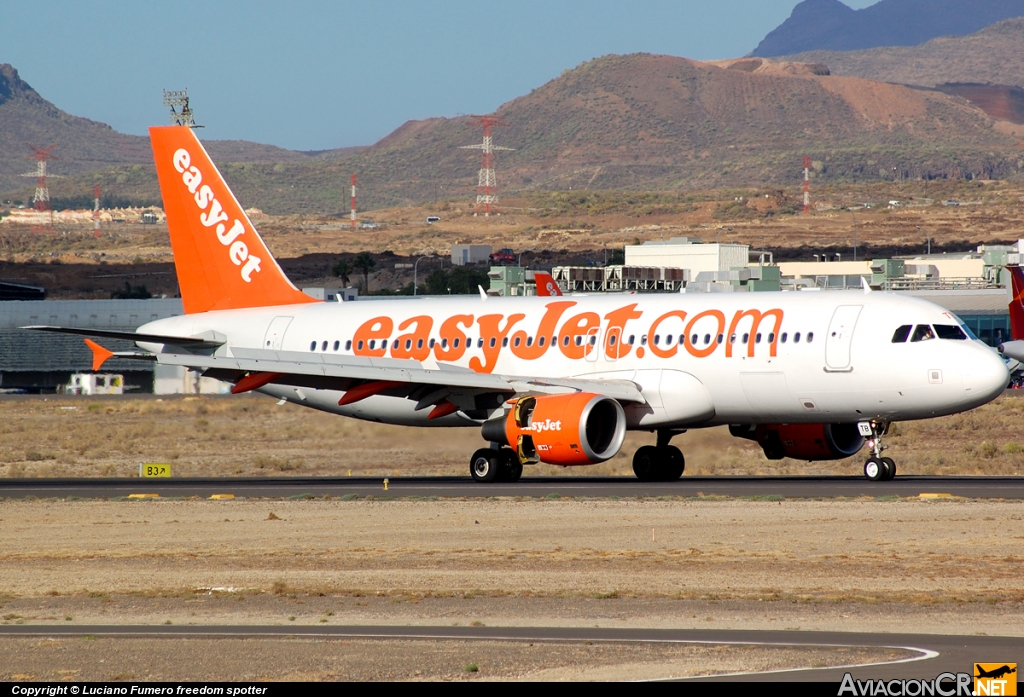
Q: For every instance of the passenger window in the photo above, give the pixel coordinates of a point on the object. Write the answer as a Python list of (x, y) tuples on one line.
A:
[(408, 344), (810, 337), (529, 341), (431, 343), (632, 338), (348, 345), (901, 334), (455, 343), (745, 338), (444, 343), (732, 339), (419, 343), (514, 343), (394, 345), (668, 340), (784, 337), (922, 332), (611, 340), (323, 346), (796, 338), (312, 346), (593, 340), (480, 342), (504, 342), (771, 337), (360, 345), (494, 341), (950, 331), (579, 340), (337, 345), (565, 340), (540, 341), (721, 338), (643, 340), (657, 339), (707, 339), (757, 338)]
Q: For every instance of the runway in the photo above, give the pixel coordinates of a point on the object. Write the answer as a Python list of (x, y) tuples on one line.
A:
[(935, 654), (1002, 487)]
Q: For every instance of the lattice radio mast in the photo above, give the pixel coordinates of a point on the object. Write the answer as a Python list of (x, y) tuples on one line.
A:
[(182, 115), (487, 186), (41, 199)]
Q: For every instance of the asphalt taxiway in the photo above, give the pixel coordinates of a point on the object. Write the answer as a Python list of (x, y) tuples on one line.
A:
[(932, 654), (986, 487)]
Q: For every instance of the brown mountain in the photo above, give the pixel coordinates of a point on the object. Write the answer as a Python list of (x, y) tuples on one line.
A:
[(650, 122), (830, 25), (993, 55), (82, 144)]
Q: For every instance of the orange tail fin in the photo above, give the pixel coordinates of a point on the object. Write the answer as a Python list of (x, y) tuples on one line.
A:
[(546, 284), (1017, 303), (222, 262)]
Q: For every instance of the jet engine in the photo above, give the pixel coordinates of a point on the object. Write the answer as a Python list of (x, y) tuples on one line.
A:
[(570, 429), (803, 441)]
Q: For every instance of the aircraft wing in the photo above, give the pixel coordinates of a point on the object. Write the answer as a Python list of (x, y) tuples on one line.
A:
[(205, 340), (326, 371)]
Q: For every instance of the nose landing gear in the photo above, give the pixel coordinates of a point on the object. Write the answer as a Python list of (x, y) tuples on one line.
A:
[(877, 468)]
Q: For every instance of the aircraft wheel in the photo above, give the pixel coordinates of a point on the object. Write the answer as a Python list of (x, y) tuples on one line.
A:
[(890, 468), (485, 465), (646, 463), (511, 469), (672, 464), (874, 469)]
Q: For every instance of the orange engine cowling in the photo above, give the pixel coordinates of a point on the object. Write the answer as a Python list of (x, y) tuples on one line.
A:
[(571, 429), (803, 441)]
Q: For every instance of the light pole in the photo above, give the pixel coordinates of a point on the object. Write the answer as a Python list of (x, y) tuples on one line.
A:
[(415, 273)]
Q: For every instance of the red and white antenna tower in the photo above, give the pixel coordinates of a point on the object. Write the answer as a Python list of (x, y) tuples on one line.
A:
[(96, 210), (353, 202), (487, 185), (41, 200), (807, 185)]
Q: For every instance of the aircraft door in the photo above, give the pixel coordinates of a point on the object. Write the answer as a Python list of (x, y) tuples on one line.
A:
[(274, 338), (840, 336)]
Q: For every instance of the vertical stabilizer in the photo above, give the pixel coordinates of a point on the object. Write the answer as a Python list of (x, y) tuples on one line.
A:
[(221, 261), (1016, 302)]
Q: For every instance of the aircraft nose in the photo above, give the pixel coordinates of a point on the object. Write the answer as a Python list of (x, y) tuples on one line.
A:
[(985, 376)]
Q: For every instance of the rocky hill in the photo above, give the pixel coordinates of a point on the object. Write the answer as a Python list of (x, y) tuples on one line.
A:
[(993, 55), (84, 145), (645, 122), (829, 25)]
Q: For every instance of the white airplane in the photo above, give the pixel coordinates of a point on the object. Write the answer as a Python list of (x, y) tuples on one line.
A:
[(560, 380)]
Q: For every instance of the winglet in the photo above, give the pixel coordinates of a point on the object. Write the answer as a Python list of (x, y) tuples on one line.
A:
[(99, 354), (864, 284), (483, 293)]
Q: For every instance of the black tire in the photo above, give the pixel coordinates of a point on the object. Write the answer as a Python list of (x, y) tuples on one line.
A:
[(890, 468), (511, 468), (646, 463), (485, 465), (875, 469), (673, 464)]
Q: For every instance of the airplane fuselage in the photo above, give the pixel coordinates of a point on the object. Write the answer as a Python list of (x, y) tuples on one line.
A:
[(699, 359)]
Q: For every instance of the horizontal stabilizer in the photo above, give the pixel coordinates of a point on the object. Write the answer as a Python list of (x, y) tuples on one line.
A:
[(184, 341)]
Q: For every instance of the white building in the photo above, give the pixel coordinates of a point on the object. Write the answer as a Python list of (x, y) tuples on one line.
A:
[(683, 253)]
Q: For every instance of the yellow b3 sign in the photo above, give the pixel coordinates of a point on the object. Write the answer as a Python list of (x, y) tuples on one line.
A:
[(154, 470)]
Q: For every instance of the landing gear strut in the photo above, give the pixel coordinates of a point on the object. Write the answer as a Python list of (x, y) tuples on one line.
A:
[(661, 462), (494, 465), (877, 468)]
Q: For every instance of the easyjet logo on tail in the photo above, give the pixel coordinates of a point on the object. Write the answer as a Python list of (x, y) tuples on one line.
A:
[(213, 216)]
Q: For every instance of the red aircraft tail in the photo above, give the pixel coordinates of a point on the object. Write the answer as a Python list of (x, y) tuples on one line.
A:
[(546, 285), (1017, 302)]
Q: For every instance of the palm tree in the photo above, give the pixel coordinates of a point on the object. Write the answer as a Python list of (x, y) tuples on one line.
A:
[(342, 269), (366, 264)]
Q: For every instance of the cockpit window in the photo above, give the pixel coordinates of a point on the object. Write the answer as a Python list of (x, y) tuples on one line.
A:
[(922, 332), (901, 334), (950, 331)]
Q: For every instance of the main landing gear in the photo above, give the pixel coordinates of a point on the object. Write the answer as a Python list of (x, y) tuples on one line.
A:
[(661, 462), (494, 465), (877, 468)]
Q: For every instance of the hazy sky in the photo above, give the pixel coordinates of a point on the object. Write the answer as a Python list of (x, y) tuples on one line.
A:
[(315, 74)]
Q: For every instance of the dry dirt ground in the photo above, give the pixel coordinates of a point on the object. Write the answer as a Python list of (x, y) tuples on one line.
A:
[(251, 435), (991, 211), (889, 566)]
